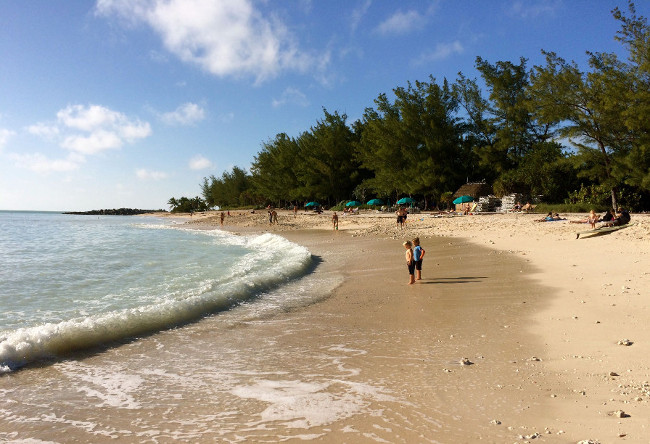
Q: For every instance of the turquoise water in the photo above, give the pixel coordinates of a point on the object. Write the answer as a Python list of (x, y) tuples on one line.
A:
[(68, 282)]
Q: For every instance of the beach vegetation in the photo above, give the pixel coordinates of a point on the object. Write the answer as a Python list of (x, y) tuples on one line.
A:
[(563, 208), (187, 205), (413, 144), (232, 189), (598, 110), (555, 131)]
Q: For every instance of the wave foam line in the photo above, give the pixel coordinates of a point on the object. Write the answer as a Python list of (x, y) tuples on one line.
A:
[(272, 261)]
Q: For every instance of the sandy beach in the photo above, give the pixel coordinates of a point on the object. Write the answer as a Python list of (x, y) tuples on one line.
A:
[(518, 332), (556, 327)]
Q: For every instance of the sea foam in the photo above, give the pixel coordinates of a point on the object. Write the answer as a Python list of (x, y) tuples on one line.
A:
[(271, 261)]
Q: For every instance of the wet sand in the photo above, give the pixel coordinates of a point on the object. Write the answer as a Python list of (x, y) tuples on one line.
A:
[(376, 360)]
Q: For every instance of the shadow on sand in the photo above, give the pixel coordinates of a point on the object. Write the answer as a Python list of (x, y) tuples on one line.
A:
[(453, 280)]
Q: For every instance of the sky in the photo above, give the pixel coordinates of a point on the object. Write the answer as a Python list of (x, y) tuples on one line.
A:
[(127, 103)]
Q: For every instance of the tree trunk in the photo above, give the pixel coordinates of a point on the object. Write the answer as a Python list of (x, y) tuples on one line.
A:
[(614, 198)]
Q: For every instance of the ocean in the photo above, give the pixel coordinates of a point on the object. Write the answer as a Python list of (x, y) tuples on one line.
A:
[(71, 282), (140, 330)]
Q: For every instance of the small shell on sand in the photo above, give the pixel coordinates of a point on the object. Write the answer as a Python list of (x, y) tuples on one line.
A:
[(625, 342), (620, 414), (465, 361)]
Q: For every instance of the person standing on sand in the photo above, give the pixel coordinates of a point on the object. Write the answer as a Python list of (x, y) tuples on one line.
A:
[(335, 221), (410, 263), (418, 254), (274, 216), (295, 211), (222, 217)]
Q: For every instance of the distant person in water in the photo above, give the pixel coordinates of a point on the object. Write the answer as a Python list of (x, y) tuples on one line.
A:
[(418, 254), (335, 221), (410, 262)]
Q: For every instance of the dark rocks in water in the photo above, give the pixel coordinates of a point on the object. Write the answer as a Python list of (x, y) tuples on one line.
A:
[(114, 212)]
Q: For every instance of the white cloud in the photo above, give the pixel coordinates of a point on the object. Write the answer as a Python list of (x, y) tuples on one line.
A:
[(83, 131), (41, 164), (441, 51), (532, 9), (144, 174), (199, 162), (44, 130), (291, 95), (186, 114), (358, 14), (5, 135), (401, 22), (226, 117), (225, 38), (107, 129), (93, 143)]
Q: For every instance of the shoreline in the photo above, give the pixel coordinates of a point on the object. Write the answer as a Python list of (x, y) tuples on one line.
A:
[(593, 387), (536, 312)]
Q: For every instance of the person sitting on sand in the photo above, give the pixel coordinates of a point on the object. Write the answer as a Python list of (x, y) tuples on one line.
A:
[(410, 263), (591, 219), (609, 216), (622, 218), (548, 218)]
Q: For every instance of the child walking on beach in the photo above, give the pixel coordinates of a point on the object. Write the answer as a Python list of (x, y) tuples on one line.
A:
[(418, 254), (410, 263)]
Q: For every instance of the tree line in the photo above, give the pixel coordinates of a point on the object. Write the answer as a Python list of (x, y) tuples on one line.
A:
[(553, 130)]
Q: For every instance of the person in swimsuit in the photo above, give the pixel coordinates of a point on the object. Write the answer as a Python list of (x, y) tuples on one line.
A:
[(418, 254), (410, 263)]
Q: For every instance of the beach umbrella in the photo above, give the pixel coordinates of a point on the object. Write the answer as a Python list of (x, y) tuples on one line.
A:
[(375, 202), (405, 200), (353, 203), (463, 199), (312, 204)]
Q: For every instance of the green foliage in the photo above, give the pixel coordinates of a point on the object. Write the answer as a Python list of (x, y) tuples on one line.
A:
[(273, 171), (187, 205), (326, 167), (569, 208), (428, 138), (596, 195), (544, 171), (319, 165), (603, 111), (413, 145), (232, 189), (599, 196)]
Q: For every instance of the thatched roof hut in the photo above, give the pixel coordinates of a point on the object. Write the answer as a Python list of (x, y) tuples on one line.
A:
[(475, 190)]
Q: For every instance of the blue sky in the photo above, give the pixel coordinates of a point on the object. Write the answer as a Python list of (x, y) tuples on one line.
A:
[(126, 103)]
